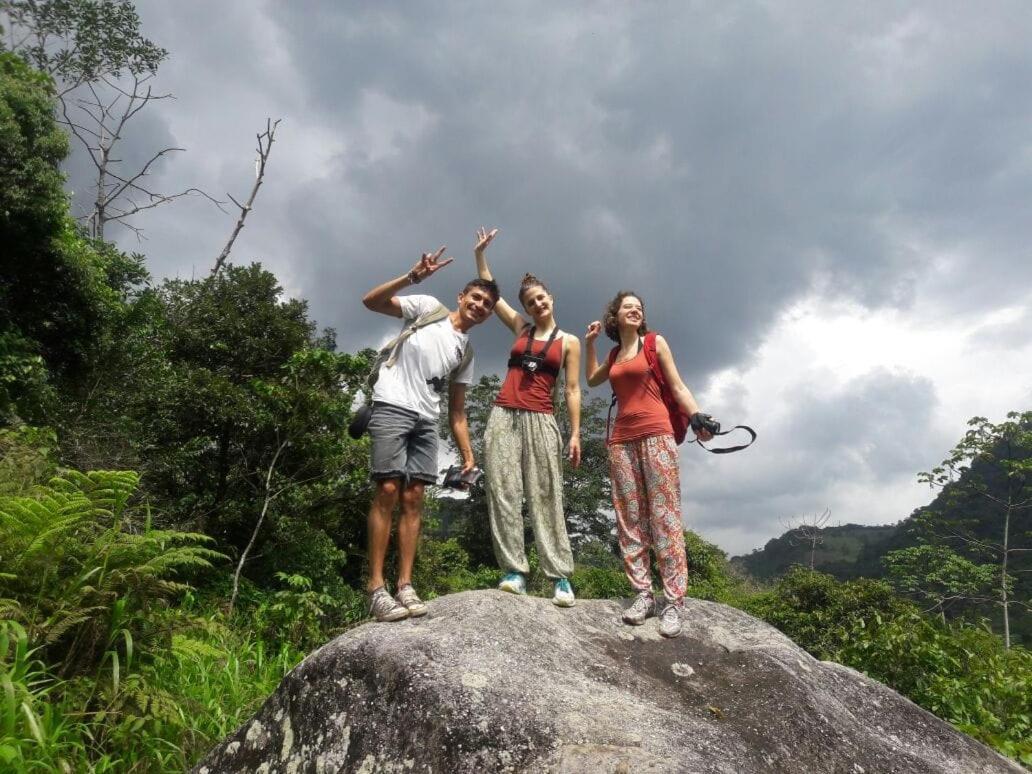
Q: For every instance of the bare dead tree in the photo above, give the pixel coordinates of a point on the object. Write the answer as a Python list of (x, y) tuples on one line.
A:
[(98, 120), (806, 530), (101, 65), (265, 140)]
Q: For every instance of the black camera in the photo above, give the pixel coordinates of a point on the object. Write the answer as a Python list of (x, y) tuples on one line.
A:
[(531, 363), (702, 422), (454, 478)]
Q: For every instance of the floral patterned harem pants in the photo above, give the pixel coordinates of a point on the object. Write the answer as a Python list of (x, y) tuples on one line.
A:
[(647, 499)]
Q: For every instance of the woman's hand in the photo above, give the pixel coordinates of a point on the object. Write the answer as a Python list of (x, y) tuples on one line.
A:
[(484, 238), (594, 329), (429, 264)]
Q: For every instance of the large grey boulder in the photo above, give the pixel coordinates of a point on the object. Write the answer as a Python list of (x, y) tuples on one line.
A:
[(491, 682)]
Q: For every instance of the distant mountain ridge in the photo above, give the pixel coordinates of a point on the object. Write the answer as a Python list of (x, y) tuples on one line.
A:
[(847, 551)]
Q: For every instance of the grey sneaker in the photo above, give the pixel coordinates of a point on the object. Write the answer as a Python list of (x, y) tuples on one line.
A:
[(670, 620), (382, 606), (643, 606), (409, 599)]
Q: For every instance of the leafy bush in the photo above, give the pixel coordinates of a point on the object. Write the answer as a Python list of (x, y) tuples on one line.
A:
[(709, 574), (444, 567), (962, 673), (600, 583), (820, 613), (304, 618), (163, 715)]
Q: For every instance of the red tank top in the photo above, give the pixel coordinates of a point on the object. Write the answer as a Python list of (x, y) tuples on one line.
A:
[(530, 391), (642, 412)]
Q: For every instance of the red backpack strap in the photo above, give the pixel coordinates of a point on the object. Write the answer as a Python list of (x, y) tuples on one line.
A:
[(679, 421), (612, 355), (652, 358)]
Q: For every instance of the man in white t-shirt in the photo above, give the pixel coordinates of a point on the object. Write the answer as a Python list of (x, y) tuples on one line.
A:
[(403, 426)]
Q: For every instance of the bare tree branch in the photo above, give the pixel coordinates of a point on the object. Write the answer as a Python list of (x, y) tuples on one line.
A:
[(265, 140), (807, 530)]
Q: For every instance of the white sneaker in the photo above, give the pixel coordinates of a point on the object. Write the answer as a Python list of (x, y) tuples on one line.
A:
[(563, 596), (514, 583)]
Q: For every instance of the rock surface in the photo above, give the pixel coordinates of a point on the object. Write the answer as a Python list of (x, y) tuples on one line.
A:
[(491, 682)]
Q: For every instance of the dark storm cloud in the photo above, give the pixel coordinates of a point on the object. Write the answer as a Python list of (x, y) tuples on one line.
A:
[(723, 162)]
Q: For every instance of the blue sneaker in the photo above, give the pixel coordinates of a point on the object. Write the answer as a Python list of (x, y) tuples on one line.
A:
[(563, 596), (514, 583)]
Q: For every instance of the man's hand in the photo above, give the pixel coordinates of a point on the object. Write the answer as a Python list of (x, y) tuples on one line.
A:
[(573, 451), (429, 264), (484, 238), (594, 329)]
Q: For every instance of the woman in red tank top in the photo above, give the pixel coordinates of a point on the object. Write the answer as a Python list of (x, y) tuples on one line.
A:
[(522, 442), (643, 461)]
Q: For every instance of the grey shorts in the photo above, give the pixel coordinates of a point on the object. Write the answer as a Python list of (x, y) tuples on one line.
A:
[(404, 444)]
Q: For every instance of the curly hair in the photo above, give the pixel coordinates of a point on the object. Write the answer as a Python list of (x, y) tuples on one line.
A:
[(609, 323), (530, 281)]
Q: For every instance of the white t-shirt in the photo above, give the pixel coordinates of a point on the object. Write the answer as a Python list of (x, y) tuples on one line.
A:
[(421, 373)]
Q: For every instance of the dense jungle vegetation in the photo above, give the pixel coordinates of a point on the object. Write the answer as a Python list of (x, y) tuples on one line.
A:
[(154, 431)]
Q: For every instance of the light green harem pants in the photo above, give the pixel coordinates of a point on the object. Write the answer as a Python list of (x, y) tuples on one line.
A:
[(523, 460)]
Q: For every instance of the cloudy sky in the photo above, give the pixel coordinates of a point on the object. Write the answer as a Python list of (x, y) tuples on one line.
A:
[(827, 210)]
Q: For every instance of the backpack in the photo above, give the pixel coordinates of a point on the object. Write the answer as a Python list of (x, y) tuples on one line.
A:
[(387, 357), (679, 421)]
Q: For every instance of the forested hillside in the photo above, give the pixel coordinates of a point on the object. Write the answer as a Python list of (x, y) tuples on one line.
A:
[(846, 552), (182, 516), (949, 554)]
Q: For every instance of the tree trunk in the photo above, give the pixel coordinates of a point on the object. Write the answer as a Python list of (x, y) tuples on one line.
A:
[(1004, 602), (266, 501)]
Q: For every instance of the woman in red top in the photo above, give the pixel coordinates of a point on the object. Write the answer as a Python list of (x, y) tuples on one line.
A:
[(522, 443), (643, 461)]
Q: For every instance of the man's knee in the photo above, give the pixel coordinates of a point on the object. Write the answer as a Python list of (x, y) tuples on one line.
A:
[(387, 490), (412, 497)]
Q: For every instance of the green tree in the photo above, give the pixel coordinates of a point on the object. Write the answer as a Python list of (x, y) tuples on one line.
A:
[(936, 574), (60, 294), (299, 416), (80, 41), (237, 423), (988, 474)]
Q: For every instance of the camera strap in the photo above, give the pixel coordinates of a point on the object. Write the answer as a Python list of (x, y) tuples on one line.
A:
[(729, 449), (542, 366)]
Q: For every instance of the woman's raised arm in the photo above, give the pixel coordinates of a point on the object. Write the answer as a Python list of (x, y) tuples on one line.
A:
[(594, 373), (512, 319)]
